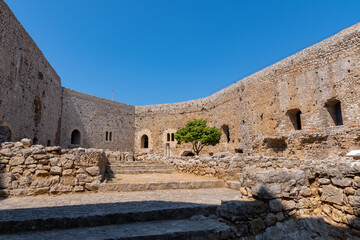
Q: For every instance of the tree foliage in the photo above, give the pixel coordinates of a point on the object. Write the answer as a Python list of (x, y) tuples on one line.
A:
[(197, 133)]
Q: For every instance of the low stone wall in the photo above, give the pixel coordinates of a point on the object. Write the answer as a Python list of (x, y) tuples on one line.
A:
[(288, 188), (27, 169)]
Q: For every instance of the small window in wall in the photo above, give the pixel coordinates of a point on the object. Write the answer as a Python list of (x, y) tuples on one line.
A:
[(75, 137), (35, 141), (334, 108), (144, 141), (168, 137), (225, 129), (110, 136), (37, 111), (48, 143), (295, 118), (106, 136), (173, 137)]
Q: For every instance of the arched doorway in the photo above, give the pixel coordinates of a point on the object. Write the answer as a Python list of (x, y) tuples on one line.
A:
[(144, 141), (75, 137)]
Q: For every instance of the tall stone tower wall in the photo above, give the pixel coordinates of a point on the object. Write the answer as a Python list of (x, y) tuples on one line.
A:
[(30, 92)]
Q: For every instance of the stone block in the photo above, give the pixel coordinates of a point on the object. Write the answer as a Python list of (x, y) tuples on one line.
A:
[(93, 171), (67, 172), (354, 201), (275, 205), (324, 181), (41, 173), (288, 205), (15, 161), (6, 152), (54, 161), (332, 194), (30, 160), (78, 188), (270, 219), (343, 182), (55, 170), (257, 226), (93, 186)]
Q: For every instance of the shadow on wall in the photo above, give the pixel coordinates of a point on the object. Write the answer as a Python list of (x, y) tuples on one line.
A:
[(72, 126), (230, 220), (271, 220)]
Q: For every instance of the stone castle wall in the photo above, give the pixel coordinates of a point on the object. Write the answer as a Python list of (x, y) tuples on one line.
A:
[(93, 117), (30, 103), (257, 109)]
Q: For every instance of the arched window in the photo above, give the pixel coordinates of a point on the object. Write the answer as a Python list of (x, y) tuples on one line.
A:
[(168, 137), (173, 137), (35, 141), (48, 143), (75, 137), (144, 141)]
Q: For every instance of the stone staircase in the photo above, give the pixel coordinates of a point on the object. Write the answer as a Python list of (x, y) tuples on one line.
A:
[(137, 167), (125, 220), (129, 176)]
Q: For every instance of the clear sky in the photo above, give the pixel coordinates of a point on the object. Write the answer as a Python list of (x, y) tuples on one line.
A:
[(164, 51)]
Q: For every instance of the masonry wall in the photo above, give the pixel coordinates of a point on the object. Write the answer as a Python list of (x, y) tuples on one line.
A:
[(30, 92), (257, 109), (93, 117)]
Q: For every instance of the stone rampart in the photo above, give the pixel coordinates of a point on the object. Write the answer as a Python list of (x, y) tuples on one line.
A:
[(27, 169), (298, 95)]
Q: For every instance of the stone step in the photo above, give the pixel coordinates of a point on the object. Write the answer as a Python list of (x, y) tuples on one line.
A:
[(141, 171), (92, 215), (134, 162), (138, 166), (150, 186), (196, 228)]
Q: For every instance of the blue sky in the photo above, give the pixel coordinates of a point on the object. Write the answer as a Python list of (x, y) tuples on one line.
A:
[(165, 51)]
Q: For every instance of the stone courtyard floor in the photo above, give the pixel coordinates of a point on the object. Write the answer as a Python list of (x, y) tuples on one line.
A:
[(202, 196)]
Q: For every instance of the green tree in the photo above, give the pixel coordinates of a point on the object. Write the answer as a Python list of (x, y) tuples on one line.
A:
[(198, 134)]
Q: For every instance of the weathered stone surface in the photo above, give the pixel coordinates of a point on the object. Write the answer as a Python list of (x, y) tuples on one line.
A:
[(93, 171), (332, 195), (257, 226), (270, 219), (344, 182), (324, 181), (55, 170), (93, 185), (41, 173), (6, 152), (275, 205), (354, 201), (26, 141), (17, 160), (6, 179), (30, 160), (54, 161), (67, 172), (241, 211)]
